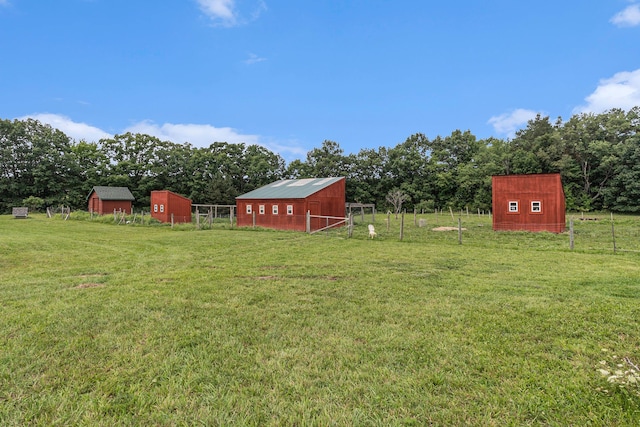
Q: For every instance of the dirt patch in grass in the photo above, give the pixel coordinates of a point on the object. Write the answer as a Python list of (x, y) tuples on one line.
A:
[(330, 278), (89, 285)]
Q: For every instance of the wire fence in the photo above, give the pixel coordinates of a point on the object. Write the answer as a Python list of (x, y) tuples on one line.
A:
[(596, 232), (588, 233)]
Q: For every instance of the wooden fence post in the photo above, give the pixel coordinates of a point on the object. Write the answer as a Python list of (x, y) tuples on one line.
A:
[(613, 235), (571, 234), (402, 225), (459, 231), (308, 225)]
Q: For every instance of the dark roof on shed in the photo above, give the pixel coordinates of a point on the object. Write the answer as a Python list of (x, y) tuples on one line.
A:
[(290, 188), (112, 193)]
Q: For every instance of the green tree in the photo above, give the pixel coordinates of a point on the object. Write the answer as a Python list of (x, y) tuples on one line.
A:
[(537, 148), (326, 161), (407, 169), (367, 181), (132, 163), (35, 160)]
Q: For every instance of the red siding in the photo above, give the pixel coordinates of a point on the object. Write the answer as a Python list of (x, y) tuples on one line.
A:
[(105, 207), (528, 202), (164, 203), (329, 201)]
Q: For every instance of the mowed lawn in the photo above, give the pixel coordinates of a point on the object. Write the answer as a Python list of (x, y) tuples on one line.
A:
[(105, 324)]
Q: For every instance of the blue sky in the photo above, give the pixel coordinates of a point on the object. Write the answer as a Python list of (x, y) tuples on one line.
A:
[(290, 74)]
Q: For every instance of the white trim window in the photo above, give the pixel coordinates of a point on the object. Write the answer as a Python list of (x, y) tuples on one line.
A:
[(289, 209), (161, 208), (261, 209), (536, 206), (249, 211), (274, 209), (513, 206), (155, 207)]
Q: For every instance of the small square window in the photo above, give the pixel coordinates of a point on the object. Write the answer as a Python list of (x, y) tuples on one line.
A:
[(513, 207), (289, 209), (261, 209), (249, 209), (536, 207), (274, 209)]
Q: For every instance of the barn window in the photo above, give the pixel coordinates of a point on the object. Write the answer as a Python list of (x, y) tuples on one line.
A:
[(261, 209), (289, 209), (274, 209), (249, 209), (536, 207), (513, 207), (161, 208), (155, 207)]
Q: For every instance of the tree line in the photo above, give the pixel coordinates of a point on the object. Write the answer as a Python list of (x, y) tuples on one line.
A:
[(597, 155)]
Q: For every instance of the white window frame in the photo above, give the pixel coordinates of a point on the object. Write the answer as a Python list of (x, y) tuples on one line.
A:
[(534, 208), (161, 208), (289, 209), (155, 207), (274, 209), (513, 206), (249, 211), (261, 209)]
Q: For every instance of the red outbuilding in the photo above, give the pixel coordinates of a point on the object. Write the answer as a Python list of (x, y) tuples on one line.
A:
[(284, 204), (528, 202), (165, 204), (106, 200)]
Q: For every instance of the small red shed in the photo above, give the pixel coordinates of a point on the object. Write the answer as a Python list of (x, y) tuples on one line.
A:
[(105, 200), (528, 202), (165, 203), (284, 204)]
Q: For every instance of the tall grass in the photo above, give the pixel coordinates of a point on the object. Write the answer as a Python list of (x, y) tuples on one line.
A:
[(120, 325)]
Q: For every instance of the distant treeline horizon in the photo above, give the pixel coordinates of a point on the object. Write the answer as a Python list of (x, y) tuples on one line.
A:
[(597, 156)]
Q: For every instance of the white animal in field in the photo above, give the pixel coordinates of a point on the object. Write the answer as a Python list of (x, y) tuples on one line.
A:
[(372, 231)]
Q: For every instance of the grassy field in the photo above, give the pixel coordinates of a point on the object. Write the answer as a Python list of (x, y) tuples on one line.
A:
[(104, 324)]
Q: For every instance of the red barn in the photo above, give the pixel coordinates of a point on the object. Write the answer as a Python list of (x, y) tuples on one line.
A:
[(528, 202), (165, 203), (284, 204), (106, 200)]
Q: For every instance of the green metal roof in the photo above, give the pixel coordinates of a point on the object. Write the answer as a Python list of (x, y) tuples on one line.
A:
[(290, 188), (112, 193)]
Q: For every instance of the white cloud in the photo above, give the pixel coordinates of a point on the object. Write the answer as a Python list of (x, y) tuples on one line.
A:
[(620, 91), (205, 135), (73, 130), (253, 59), (228, 13), (196, 135), (630, 17), (508, 123), (221, 11)]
